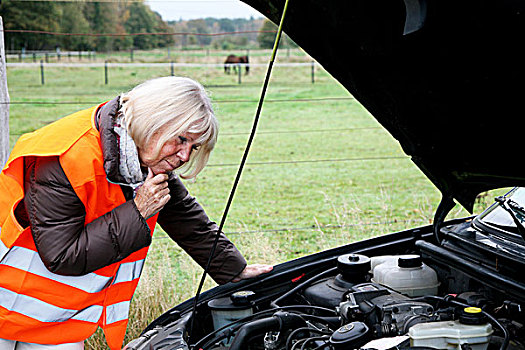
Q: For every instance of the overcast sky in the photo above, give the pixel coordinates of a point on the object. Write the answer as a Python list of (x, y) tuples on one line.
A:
[(192, 9)]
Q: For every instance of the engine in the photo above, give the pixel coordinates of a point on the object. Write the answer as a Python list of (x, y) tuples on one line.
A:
[(385, 302)]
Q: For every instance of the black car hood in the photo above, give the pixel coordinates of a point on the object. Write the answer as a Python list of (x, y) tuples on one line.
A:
[(444, 77)]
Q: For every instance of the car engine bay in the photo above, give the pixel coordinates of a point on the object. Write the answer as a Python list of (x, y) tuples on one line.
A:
[(445, 296), (352, 310)]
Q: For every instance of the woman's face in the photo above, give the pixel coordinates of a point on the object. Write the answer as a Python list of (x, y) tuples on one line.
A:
[(173, 154)]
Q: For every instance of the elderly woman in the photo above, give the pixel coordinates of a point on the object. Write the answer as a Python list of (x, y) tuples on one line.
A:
[(79, 200)]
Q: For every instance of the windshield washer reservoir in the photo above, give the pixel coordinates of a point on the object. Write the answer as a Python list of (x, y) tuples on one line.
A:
[(405, 274)]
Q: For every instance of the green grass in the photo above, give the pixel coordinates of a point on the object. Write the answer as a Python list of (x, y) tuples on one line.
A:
[(293, 198)]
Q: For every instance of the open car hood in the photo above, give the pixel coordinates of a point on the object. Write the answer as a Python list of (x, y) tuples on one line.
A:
[(445, 78)]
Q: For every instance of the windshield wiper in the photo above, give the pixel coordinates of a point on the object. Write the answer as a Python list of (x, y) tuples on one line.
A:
[(516, 211)]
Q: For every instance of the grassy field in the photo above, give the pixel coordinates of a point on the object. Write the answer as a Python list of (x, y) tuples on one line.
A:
[(321, 173)]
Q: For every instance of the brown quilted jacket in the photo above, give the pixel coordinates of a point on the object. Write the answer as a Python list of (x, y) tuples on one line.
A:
[(68, 246)]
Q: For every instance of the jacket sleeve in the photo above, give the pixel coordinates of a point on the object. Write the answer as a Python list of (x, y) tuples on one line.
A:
[(66, 245), (185, 221)]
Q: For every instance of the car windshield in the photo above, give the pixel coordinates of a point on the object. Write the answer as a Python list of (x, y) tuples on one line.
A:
[(497, 218)]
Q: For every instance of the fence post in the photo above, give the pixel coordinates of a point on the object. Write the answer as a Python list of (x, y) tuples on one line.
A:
[(80, 55), (106, 72), (34, 57), (42, 72), (131, 54), (171, 68), (239, 71), (313, 72), (47, 57), (4, 98)]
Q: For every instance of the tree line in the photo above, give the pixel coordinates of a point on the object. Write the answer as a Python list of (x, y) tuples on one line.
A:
[(218, 25), (255, 33), (121, 17), (82, 17)]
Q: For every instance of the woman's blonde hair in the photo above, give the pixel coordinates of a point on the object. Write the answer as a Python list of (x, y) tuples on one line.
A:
[(171, 106)]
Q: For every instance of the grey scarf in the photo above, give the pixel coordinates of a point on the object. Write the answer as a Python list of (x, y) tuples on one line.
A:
[(129, 165)]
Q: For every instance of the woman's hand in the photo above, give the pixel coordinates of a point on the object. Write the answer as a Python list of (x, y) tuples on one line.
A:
[(251, 271), (153, 195)]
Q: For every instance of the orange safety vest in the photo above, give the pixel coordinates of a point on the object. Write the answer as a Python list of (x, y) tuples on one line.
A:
[(36, 305)]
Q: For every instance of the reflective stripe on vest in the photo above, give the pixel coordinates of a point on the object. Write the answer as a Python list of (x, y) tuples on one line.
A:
[(45, 312), (117, 312), (129, 271), (28, 260)]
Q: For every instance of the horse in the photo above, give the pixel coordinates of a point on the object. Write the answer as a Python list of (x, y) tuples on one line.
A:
[(233, 60)]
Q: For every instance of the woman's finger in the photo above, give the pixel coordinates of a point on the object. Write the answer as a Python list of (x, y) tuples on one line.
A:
[(158, 179), (150, 174)]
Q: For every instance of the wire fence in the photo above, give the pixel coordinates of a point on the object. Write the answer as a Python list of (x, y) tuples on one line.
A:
[(160, 64), (309, 161), (165, 54), (35, 56), (295, 132), (322, 99), (319, 227), (136, 34), (238, 67)]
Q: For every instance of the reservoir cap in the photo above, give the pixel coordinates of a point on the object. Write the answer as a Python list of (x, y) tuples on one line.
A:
[(353, 266), (472, 316), (410, 261), (243, 297)]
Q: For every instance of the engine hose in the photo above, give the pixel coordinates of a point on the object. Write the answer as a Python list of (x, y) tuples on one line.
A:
[(450, 299), (279, 321), (251, 329), (210, 338), (333, 321)]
